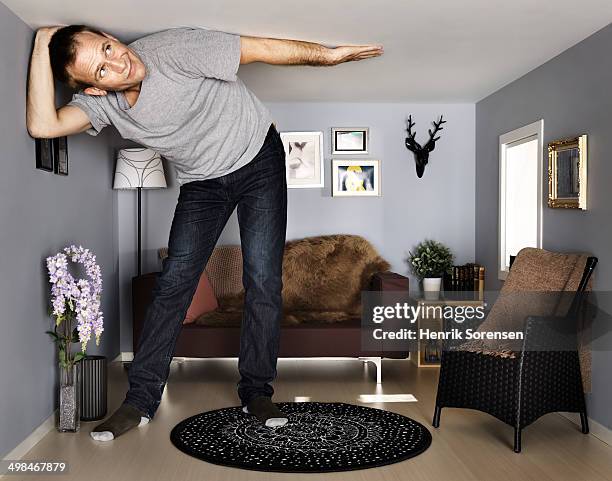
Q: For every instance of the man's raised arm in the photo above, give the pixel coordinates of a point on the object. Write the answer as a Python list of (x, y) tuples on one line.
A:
[(42, 118), (295, 52)]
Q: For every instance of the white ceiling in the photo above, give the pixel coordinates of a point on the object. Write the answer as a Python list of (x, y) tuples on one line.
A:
[(435, 50)]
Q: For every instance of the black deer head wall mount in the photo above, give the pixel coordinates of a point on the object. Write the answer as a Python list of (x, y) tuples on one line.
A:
[(421, 154)]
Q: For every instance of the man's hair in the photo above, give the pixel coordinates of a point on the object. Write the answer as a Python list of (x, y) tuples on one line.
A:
[(62, 52)]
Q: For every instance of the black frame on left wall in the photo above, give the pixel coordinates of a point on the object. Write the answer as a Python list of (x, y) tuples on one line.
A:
[(60, 155), (52, 155), (44, 154)]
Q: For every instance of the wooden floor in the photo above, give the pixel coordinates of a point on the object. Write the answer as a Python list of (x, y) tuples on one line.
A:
[(468, 446)]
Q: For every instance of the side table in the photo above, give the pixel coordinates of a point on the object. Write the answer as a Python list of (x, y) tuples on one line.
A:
[(429, 352)]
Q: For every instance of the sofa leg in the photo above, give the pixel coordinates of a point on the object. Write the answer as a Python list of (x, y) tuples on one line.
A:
[(436, 418), (584, 421), (517, 440), (377, 361)]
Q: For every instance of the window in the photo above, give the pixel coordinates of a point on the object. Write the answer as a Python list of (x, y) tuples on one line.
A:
[(520, 192)]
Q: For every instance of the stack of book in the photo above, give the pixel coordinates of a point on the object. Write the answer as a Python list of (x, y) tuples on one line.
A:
[(468, 278), (433, 351)]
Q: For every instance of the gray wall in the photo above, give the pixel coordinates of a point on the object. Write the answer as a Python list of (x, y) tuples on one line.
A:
[(572, 94), (440, 205), (40, 213)]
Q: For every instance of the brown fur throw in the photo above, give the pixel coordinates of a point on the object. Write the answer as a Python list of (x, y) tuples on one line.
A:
[(323, 278)]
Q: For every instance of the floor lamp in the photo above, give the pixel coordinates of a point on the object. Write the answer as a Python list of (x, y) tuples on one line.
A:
[(139, 168)]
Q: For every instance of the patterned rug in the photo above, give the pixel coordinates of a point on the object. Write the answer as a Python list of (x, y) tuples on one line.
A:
[(319, 437)]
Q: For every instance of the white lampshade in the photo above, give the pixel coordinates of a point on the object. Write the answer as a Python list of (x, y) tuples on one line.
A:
[(139, 167)]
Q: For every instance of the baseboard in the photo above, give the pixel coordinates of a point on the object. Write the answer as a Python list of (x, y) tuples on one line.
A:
[(128, 356), (33, 439), (598, 430), (124, 357)]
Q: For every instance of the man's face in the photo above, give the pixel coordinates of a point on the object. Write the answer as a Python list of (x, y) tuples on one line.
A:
[(106, 64)]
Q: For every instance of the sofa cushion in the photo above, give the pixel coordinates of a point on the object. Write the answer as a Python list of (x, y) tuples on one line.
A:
[(233, 318), (204, 300), (224, 269)]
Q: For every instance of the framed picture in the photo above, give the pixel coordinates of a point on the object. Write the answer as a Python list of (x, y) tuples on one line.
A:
[(44, 154), (355, 178), (60, 155), (304, 159), (350, 140), (567, 173)]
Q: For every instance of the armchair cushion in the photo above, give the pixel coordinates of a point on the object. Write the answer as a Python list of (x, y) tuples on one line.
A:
[(535, 286)]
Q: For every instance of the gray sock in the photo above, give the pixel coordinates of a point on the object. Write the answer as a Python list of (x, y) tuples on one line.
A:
[(122, 420), (266, 411)]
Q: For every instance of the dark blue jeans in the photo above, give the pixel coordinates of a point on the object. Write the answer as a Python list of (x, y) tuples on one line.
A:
[(259, 190)]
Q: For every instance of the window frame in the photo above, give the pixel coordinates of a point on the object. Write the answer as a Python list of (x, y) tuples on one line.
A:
[(535, 129)]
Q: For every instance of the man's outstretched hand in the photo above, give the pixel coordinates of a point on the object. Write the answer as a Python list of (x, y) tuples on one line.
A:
[(343, 54), (277, 51)]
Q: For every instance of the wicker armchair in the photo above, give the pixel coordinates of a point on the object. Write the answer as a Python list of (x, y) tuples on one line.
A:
[(543, 375)]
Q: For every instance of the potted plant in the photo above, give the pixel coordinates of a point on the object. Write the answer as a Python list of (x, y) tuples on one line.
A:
[(429, 261), (76, 309)]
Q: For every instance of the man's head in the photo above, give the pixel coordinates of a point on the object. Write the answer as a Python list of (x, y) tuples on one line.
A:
[(85, 58)]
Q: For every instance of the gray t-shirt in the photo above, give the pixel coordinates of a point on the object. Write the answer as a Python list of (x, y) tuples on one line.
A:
[(192, 108)]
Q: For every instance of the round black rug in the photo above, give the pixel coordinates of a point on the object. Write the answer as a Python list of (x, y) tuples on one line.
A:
[(319, 437)]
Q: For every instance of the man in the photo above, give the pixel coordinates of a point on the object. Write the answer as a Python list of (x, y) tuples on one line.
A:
[(177, 93)]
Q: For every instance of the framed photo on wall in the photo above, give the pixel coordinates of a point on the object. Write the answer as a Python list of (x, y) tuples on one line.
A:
[(304, 159), (350, 140), (355, 178), (44, 154), (60, 155)]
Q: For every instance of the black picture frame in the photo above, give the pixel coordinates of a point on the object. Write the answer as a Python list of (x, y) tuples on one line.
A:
[(44, 154), (336, 137), (60, 155)]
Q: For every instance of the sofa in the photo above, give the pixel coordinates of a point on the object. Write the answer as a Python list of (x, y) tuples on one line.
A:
[(323, 277)]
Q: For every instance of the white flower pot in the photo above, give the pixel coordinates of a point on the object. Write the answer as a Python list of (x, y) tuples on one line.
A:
[(431, 288)]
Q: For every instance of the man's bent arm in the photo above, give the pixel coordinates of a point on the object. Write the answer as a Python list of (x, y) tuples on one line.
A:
[(296, 52), (42, 118)]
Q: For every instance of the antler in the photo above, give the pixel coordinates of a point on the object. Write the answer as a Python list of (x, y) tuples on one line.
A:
[(411, 143), (431, 143), (421, 154)]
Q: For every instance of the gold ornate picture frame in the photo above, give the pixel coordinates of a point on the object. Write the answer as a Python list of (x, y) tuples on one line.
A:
[(567, 173)]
